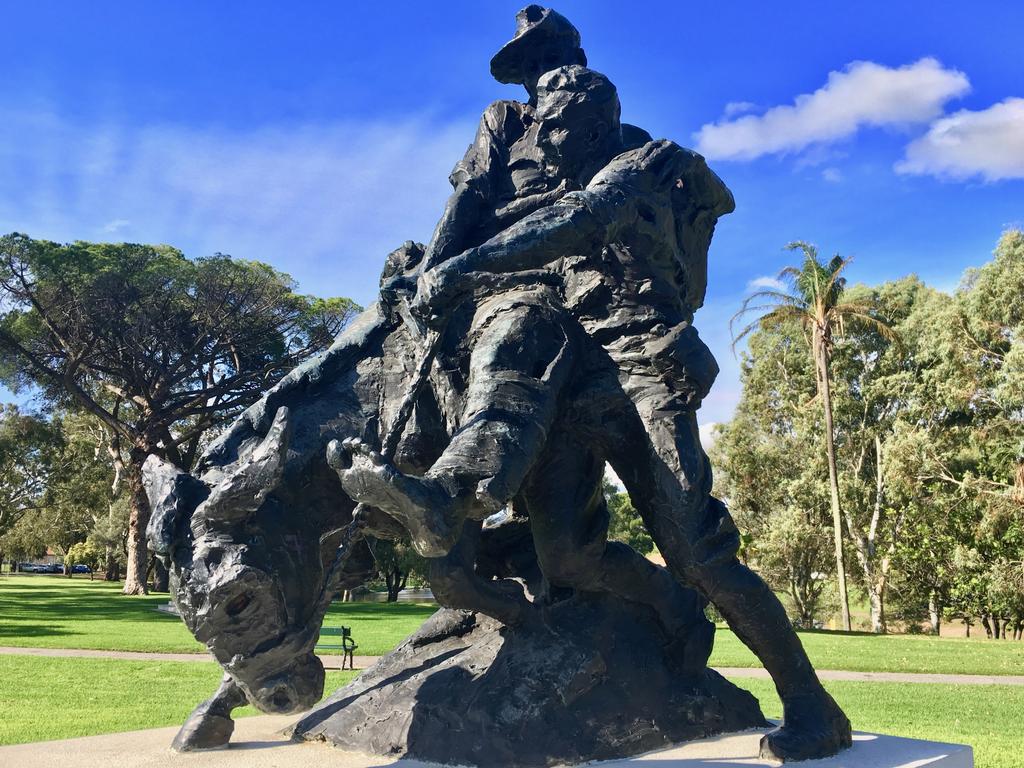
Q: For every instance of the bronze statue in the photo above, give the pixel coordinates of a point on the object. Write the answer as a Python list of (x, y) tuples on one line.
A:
[(546, 331)]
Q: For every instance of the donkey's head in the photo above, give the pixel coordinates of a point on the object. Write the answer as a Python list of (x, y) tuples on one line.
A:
[(247, 570)]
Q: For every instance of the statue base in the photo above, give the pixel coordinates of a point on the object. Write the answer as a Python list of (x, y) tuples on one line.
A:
[(592, 679), (259, 743)]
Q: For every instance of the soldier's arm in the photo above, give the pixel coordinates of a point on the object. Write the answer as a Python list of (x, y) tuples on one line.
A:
[(580, 221), (474, 180), (577, 223)]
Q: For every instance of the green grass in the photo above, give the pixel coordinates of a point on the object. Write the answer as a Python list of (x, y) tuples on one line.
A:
[(54, 612), (984, 716), (57, 698), (61, 698), (889, 653), (378, 627)]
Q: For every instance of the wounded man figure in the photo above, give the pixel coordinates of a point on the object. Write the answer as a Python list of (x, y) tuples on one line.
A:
[(589, 357)]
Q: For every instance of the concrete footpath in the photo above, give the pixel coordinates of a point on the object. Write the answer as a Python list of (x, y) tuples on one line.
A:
[(362, 662), (329, 662), (259, 743)]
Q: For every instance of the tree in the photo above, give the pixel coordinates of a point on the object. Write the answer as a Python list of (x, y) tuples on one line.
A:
[(83, 553), (157, 347), (772, 474), (397, 562), (625, 524), (28, 449), (76, 491), (972, 449), (816, 301)]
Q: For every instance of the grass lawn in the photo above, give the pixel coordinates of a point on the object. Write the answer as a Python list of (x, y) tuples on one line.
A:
[(984, 716), (54, 698), (55, 612), (888, 653)]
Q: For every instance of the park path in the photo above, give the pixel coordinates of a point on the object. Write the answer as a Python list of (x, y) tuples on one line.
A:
[(362, 662), (329, 662)]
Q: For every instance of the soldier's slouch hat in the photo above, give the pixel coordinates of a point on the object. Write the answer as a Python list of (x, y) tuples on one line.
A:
[(544, 38)]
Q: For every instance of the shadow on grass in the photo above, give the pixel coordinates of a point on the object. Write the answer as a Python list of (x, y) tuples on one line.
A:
[(32, 630), (26, 601), (380, 611)]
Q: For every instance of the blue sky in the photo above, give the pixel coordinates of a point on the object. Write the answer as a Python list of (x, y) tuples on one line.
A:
[(319, 136)]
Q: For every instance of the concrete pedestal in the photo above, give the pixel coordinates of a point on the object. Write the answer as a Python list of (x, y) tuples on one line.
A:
[(258, 743)]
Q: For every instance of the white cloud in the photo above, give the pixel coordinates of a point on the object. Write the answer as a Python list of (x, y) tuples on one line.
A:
[(739, 108), (988, 143), (863, 94), (766, 282), (707, 434), (832, 175), (323, 201), (116, 225)]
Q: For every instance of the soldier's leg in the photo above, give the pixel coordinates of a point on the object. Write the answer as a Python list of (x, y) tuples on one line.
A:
[(569, 520), (456, 584), (522, 355), (669, 479)]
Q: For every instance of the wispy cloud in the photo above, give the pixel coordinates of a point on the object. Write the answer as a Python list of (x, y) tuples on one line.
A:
[(766, 281), (734, 108), (116, 225), (707, 434), (324, 201), (863, 94), (832, 175), (988, 143)]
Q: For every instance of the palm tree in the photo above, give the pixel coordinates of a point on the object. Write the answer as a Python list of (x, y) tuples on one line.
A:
[(815, 301)]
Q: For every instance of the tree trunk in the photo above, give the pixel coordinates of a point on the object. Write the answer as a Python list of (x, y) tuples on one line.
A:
[(138, 553), (833, 476), (110, 569), (395, 581), (876, 598), (161, 576), (935, 616)]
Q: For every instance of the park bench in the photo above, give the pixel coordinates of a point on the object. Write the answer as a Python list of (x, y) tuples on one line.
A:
[(345, 644)]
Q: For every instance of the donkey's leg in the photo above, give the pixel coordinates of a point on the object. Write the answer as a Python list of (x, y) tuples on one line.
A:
[(210, 725)]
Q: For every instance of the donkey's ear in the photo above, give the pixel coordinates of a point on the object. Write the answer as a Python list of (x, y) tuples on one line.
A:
[(173, 497), (240, 492)]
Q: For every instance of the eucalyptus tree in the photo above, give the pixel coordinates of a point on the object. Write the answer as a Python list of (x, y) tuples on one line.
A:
[(974, 445), (816, 300), (954, 466), (157, 347), (75, 491), (29, 446)]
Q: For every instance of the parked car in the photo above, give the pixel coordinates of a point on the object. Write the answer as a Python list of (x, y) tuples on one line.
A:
[(81, 569), (53, 568)]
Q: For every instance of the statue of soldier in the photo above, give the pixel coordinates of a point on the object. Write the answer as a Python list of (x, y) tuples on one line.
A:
[(607, 366)]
